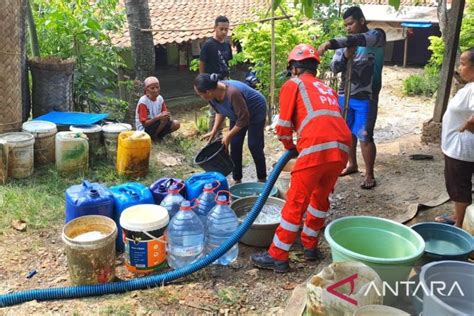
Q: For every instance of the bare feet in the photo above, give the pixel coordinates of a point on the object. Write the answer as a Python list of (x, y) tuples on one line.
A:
[(368, 184), (349, 170)]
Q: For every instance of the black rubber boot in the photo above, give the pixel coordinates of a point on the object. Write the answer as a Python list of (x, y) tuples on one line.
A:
[(264, 261), (312, 254)]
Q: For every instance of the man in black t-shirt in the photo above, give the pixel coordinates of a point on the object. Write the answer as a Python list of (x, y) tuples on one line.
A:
[(215, 56)]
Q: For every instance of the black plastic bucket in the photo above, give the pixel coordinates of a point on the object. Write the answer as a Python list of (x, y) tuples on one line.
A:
[(213, 157)]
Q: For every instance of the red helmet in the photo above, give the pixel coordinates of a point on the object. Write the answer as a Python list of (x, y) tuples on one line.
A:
[(303, 51)]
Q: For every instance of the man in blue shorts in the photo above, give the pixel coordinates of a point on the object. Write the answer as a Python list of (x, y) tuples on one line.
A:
[(366, 47)]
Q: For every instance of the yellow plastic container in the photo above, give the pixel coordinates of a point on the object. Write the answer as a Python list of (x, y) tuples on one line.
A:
[(133, 153), (72, 152)]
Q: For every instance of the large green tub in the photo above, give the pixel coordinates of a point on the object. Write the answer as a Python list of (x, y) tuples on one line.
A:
[(388, 247)]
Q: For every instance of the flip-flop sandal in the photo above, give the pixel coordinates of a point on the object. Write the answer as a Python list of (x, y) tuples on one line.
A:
[(444, 219), (349, 172), (367, 186), (421, 157)]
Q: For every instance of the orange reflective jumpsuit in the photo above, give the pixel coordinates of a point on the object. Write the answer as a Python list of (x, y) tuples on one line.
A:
[(309, 108)]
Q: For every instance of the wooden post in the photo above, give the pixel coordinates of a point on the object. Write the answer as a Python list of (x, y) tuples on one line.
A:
[(455, 15), (272, 73), (405, 51)]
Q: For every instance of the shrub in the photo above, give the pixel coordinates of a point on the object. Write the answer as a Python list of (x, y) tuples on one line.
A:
[(425, 84)]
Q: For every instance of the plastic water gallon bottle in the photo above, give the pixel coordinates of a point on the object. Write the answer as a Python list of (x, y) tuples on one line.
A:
[(205, 202), (221, 224), (173, 200), (185, 237)]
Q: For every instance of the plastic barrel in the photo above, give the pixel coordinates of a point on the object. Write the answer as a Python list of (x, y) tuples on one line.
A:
[(20, 154), (44, 133), (111, 133), (213, 157), (94, 134)]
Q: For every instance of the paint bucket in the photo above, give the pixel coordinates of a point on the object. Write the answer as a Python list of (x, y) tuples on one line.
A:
[(143, 227), (44, 133), (133, 153), (72, 152), (3, 161), (90, 249), (111, 133), (94, 134), (20, 154)]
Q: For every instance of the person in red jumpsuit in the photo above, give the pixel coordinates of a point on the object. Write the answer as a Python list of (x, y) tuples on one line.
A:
[(309, 108)]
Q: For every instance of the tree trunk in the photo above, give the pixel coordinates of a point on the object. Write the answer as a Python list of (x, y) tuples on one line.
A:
[(143, 50), (450, 33)]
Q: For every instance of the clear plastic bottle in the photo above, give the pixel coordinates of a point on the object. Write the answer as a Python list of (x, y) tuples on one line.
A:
[(221, 224), (185, 237), (205, 202), (173, 200)]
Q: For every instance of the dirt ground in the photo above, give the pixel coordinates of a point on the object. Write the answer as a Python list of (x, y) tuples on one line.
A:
[(240, 288)]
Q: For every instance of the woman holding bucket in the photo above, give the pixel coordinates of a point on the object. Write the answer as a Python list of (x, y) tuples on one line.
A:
[(246, 109)]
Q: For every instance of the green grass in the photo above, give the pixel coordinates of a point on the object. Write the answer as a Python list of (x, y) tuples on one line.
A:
[(39, 200)]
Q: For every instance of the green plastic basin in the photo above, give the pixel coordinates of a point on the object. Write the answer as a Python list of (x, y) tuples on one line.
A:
[(388, 247), (249, 189)]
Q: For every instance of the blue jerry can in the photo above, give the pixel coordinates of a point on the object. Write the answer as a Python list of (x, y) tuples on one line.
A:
[(88, 199), (195, 184), (126, 195)]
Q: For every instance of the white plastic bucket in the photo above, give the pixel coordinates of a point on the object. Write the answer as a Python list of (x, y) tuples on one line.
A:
[(143, 228), (20, 154), (44, 133), (283, 181), (94, 134), (111, 133)]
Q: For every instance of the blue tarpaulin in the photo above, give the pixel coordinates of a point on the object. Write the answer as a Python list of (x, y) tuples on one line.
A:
[(73, 118), (416, 24)]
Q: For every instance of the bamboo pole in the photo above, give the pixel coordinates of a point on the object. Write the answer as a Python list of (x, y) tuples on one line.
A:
[(272, 73)]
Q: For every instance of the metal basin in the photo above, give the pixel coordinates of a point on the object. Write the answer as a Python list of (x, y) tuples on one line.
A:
[(258, 235)]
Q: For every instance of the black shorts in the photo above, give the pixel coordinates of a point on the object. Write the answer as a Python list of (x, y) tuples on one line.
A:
[(458, 177), (151, 130)]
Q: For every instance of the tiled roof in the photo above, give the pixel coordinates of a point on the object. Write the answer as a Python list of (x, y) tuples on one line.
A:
[(421, 3), (195, 16)]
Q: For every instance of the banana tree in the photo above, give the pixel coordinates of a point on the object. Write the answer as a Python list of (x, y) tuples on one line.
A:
[(307, 6)]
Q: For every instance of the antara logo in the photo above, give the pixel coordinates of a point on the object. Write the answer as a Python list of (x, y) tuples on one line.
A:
[(438, 288)]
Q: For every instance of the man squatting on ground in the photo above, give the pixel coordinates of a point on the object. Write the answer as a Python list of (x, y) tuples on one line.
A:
[(152, 115)]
